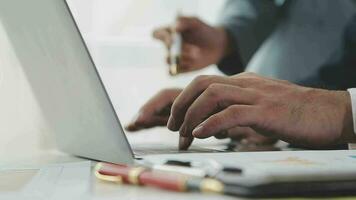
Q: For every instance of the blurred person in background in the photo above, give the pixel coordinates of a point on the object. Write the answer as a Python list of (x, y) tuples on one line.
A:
[(288, 40)]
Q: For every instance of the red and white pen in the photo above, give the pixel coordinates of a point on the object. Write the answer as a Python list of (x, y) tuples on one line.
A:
[(164, 180)]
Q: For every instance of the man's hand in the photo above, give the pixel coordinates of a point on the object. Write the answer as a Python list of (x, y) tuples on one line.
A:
[(155, 112), (211, 105), (203, 45)]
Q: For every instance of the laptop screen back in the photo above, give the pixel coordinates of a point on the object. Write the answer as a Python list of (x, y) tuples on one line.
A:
[(64, 79)]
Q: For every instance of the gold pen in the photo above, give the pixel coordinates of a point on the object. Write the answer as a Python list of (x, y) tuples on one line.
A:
[(174, 53)]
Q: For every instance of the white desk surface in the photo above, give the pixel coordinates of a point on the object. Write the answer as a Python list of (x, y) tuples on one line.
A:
[(106, 191)]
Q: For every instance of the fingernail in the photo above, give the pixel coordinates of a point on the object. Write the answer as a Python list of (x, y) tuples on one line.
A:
[(132, 124), (184, 143), (244, 142), (183, 130), (129, 127), (171, 123), (198, 131), (136, 118)]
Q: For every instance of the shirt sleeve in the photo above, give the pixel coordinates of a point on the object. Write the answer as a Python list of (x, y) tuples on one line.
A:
[(248, 23), (353, 101), (339, 71)]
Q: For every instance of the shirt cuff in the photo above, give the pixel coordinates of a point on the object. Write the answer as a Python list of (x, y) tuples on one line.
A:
[(353, 105)]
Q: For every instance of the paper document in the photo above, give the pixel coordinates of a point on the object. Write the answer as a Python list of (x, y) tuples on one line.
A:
[(53, 182), (279, 166)]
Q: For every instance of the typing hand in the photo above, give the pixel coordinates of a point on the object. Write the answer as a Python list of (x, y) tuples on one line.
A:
[(202, 45), (309, 117), (155, 112)]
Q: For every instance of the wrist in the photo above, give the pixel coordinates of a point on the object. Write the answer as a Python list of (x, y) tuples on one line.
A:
[(224, 43), (348, 134)]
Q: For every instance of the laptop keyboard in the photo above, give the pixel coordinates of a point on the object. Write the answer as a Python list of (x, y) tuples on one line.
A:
[(148, 150)]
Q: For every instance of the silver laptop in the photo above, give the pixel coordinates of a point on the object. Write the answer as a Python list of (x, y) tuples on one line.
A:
[(64, 79)]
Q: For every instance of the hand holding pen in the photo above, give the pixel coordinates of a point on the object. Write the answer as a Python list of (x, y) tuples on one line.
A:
[(192, 44)]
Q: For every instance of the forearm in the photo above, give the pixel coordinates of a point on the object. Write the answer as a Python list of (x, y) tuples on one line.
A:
[(352, 134), (339, 72), (247, 23), (231, 62)]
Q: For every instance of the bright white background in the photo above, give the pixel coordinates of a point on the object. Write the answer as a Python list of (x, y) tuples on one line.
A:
[(118, 33), (126, 26)]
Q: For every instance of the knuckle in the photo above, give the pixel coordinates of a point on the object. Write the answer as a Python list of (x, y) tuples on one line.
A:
[(248, 74), (201, 80), (238, 115), (286, 82), (204, 81), (214, 121), (163, 92), (216, 86), (247, 79), (175, 109), (234, 112), (266, 104), (214, 90), (260, 98), (189, 115), (270, 104), (257, 93)]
